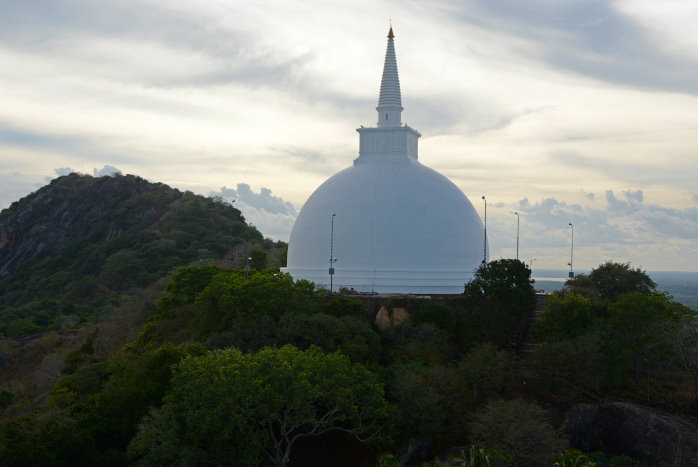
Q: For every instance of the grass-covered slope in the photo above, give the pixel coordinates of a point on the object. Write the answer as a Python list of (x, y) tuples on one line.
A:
[(72, 248)]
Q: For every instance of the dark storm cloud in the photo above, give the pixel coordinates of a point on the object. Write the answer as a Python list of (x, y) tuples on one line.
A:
[(588, 37)]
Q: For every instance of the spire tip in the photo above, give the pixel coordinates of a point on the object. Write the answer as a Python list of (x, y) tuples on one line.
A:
[(390, 33)]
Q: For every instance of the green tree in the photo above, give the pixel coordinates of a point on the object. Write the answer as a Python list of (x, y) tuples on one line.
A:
[(51, 437), (641, 326), (684, 340), (421, 405), (504, 278), (566, 316), (353, 336), (502, 293), (6, 398), (610, 280), (517, 428), (487, 371), (228, 406), (570, 366), (259, 259)]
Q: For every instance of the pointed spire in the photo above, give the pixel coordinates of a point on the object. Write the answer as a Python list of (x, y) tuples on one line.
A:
[(390, 100)]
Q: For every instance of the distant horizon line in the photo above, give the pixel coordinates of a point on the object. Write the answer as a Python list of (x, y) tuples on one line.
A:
[(649, 271)]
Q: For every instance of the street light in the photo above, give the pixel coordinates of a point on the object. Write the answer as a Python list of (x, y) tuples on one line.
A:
[(484, 248), (232, 263), (530, 263), (247, 268), (571, 253), (332, 258), (517, 234)]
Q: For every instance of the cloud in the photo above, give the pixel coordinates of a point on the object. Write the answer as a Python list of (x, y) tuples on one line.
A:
[(272, 216), (671, 222), (263, 200), (106, 171), (587, 195), (20, 138), (627, 228), (61, 171), (330, 160), (598, 38), (550, 219), (631, 204)]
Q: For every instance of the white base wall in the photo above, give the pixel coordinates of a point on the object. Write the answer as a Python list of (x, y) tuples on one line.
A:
[(407, 282)]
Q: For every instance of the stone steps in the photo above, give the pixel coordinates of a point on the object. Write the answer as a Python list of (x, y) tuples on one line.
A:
[(528, 346)]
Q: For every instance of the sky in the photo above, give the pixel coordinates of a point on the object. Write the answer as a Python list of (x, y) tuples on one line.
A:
[(582, 112)]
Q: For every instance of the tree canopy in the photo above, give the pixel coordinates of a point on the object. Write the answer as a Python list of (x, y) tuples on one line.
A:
[(611, 331), (611, 279), (503, 290), (518, 428), (254, 407)]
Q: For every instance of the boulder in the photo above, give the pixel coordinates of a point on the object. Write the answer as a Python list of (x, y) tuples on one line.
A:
[(644, 433)]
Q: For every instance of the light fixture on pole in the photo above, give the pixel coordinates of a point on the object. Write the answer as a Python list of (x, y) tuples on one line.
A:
[(247, 268), (571, 275), (332, 258), (517, 234), (484, 248), (530, 263)]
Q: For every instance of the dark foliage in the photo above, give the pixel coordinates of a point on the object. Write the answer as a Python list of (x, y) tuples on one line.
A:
[(69, 250), (502, 292), (447, 369), (610, 280), (609, 333)]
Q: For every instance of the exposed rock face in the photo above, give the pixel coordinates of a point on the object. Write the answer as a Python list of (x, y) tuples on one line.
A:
[(77, 207), (641, 432), (389, 318)]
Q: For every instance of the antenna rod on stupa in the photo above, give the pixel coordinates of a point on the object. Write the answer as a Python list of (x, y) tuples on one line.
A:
[(390, 101)]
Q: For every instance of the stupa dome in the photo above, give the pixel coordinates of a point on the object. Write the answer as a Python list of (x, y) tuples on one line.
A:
[(389, 223)]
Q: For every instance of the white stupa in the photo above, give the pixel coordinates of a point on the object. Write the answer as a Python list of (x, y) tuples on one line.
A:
[(391, 224)]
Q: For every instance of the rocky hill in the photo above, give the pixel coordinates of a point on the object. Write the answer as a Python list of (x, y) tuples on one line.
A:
[(72, 248)]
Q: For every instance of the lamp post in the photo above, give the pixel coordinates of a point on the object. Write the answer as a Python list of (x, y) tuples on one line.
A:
[(571, 253), (530, 263), (517, 234), (230, 246), (484, 248), (332, 258), (247, 268)]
